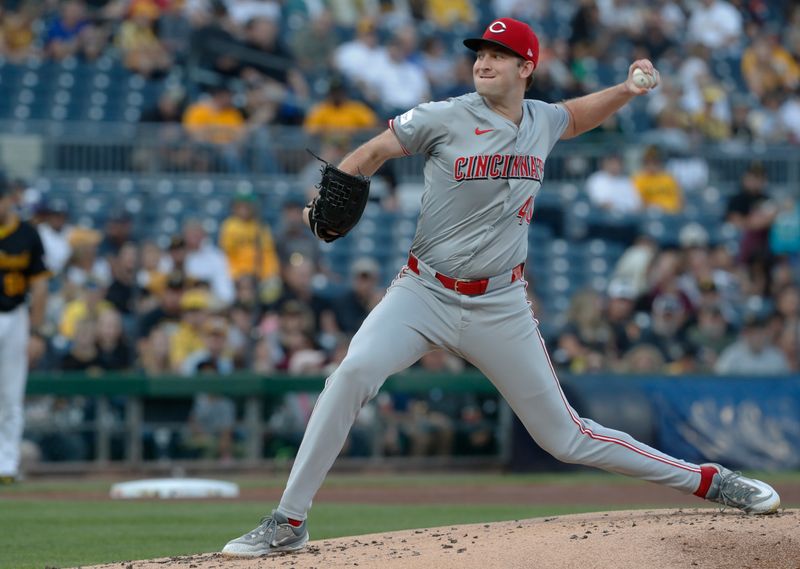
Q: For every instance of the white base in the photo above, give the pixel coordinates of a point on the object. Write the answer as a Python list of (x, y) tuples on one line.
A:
[(174, 488)]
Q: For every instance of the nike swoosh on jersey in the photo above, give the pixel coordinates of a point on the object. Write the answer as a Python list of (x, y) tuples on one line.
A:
[(480, 132)]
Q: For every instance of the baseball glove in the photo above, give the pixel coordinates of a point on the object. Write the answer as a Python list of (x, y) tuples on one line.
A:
[(340, 203)]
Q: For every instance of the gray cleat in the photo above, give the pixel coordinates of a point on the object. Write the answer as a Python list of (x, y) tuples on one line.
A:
[(747, 494), (274, 534)]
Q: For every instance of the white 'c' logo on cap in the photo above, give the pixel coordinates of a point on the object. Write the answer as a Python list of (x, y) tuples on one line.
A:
[(497, 27)]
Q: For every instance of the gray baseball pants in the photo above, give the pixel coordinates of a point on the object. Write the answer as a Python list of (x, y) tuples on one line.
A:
[(498, 333)]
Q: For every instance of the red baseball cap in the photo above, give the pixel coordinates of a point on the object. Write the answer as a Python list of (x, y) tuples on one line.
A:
[(511, 34)]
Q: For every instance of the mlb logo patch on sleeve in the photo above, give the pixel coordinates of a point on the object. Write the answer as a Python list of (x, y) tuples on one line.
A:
[(405, 117)]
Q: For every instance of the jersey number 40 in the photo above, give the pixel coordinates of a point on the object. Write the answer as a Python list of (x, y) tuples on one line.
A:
[(525, 213)]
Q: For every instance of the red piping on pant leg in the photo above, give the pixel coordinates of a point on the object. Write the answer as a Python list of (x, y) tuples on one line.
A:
[(588, 432)]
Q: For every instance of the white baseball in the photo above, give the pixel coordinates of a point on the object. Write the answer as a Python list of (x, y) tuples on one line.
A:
[(642, 79)]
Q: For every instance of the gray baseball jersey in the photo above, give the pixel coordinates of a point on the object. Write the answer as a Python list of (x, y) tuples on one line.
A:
[(482, 175)]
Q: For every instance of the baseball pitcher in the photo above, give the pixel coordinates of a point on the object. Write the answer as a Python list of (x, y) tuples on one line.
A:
[(463, 287)]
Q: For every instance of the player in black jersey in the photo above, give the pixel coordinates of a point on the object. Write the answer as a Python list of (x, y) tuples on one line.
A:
[(22, 271)]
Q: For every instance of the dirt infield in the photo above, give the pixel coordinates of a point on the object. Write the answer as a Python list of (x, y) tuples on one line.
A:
[(656, 539)]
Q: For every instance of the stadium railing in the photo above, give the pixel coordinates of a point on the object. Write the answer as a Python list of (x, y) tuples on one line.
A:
[(749, 422), (89, 148)]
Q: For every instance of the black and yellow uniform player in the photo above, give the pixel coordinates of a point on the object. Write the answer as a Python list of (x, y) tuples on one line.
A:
[(22, 276)]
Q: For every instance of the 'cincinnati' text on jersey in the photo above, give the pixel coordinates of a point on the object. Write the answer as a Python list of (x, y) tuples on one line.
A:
[(492, 166)]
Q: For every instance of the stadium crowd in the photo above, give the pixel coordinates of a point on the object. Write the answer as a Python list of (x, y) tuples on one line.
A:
[(246, 299)]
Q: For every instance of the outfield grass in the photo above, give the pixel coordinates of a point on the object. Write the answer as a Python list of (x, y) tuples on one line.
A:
[(54, 532)]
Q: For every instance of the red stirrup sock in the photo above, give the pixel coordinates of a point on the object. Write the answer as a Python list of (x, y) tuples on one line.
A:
[(706, 476)]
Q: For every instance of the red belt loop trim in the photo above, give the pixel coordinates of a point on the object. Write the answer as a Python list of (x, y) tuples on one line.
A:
[(517, 272), (412, 263)]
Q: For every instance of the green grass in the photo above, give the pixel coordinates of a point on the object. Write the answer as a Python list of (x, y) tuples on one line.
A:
[(57, 532)]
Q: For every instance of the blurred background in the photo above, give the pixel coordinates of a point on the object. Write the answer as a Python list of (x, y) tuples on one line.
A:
[(160, 148)]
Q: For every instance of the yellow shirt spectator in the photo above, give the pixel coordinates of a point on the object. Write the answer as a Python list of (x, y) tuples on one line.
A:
[(660, 190), (767, 66), (249, 247), (328, 116), (77, 310), (445, 13), (215, 120), (188, 338), (185, 341)]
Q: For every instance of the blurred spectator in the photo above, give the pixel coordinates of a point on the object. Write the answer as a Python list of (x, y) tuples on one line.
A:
[(438, 65), (142, 51), (170, 150), (429, 423), (630, 272), (784, 235), (213, 40), (168, 310), (54, 232), (689, 166), (243, 12), (766, 119), (169, 107), (352, 308), (263, 361), (123, 292), (787, 305), (357, 58), (214, 355), (218, 127), (211, 425), (292, 236), (213, 417), (114, 351), (752, 211), (84, 263), (709, 335), (587, 341), (586, 28), (175, 259), (17, 34), (118, 232), (154, 352), (610, 189), (188, 338), (247, 242), (657, 188), (88, 305), (790, 115), (314, 43), (709, 121), (446, 14), (65, 31), (667, 331), (741, 128), (767, 66), (754, 353), (297, 277), (296, 340), (269, 58), (396, 84), (619, 314), (462, 77), (150, 277), (83, 354), (338, 113), (716, 24), (643, 359), (205, 262)]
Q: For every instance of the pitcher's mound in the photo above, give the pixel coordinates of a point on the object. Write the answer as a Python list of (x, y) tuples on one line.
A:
[(654, 539)]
